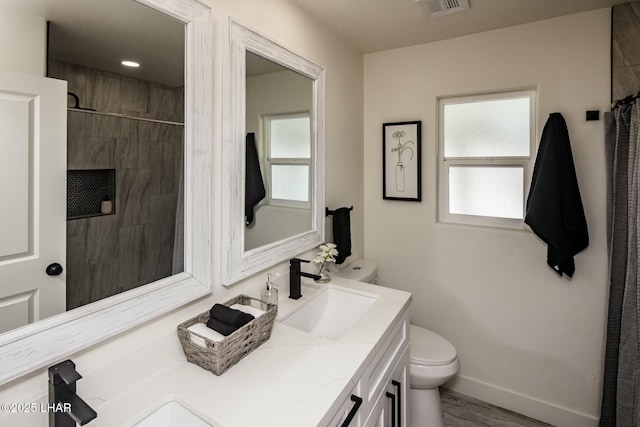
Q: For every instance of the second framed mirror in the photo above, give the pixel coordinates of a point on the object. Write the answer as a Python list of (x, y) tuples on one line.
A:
[(273, 177)]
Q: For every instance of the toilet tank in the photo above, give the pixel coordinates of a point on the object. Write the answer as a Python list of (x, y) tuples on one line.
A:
[(360, 270)]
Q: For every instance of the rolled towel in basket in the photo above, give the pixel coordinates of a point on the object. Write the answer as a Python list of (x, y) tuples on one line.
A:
[(229, 316), (256, 312), (203, 331), (221, 327)]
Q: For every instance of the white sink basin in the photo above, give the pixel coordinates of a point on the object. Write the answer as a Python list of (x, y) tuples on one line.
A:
[(331, 313), (172, 414)]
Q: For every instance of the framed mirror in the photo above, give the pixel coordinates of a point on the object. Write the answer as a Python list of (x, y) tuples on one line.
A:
[(46, 341), (273, 155)]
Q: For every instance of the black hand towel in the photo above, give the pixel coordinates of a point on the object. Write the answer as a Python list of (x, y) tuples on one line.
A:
[(221, 327), (554, 207), (230, 316), (342, 233), (254, 190)]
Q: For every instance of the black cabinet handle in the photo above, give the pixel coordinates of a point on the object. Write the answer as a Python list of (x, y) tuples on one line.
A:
[(54, 269), (393, 408), (357, 401), (398, 387)]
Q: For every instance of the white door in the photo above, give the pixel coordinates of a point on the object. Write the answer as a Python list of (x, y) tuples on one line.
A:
[(33, 155)]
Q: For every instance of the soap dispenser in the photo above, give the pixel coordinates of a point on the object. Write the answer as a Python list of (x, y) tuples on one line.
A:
[(269, 294)]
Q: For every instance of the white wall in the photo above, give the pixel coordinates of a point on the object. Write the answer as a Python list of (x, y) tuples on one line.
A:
[(527, 339), (122, 360), (22, 43)]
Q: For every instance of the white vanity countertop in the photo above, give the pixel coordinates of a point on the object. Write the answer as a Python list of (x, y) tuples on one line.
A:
[(293, 379)]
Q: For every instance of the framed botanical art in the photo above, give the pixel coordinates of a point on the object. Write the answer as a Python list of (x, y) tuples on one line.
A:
[(401, 161)]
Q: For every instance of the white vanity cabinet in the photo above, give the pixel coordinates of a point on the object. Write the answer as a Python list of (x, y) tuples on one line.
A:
[(390, 410), (381, 394)]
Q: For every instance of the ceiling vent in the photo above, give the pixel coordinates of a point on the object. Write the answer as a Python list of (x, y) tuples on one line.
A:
[(445, 7)]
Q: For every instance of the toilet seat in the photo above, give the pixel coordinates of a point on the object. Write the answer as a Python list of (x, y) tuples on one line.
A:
[(429, 349)]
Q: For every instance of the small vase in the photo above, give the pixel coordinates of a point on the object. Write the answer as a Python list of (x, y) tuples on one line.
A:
[(400, 177), (106, 207), (325, 275)]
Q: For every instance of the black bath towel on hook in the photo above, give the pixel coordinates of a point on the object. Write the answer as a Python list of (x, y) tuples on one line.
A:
[(554, 206), (254, 190)]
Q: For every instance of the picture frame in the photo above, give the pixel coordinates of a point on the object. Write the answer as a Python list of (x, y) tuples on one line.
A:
[(401, 161)]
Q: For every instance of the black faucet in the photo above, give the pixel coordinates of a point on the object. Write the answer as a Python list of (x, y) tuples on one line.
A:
[(294, 277), (65, 407)]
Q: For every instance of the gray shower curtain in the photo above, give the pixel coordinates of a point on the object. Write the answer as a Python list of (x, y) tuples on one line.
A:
[(621, 385), (177, 265)]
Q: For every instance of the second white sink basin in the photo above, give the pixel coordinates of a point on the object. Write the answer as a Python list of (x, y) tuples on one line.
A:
[(331, 313), (172, 414)]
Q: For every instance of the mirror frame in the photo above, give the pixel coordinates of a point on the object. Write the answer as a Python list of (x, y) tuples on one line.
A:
[(236, 262), (47, 341)]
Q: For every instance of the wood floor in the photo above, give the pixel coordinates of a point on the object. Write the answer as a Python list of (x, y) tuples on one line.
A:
[(464, 411)]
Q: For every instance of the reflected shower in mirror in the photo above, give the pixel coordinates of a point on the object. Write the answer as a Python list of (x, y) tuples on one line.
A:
[(136, 131), (125, 150), (279, 152)]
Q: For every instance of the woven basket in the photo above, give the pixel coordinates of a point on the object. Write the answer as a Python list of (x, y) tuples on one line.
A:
[(219, 356)]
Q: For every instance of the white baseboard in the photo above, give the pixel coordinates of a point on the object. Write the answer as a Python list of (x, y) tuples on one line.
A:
[(522, 404)]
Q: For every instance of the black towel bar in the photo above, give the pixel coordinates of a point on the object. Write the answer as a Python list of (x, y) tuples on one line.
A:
[(328, 212)]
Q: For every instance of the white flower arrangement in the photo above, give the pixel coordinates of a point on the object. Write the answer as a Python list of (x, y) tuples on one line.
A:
[(327, 252)]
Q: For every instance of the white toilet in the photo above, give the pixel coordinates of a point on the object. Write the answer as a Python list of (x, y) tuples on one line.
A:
[(433, 358)]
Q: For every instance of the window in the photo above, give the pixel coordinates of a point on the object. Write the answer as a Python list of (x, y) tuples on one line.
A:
[(485, 145), (288, 145)]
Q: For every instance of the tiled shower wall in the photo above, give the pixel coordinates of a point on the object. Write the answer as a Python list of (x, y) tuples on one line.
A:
[(625, 52), (114, 253)]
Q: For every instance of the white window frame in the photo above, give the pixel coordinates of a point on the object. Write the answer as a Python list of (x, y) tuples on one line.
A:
[(271, 161), (445, 164)]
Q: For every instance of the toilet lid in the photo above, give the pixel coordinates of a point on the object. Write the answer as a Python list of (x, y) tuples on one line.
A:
[(429, 348)]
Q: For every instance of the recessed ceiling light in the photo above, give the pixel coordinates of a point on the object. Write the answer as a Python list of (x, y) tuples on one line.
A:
[(131, 64)]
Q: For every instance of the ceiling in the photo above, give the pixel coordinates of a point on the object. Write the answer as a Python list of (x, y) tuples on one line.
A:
[(374, 25), (101, 33)]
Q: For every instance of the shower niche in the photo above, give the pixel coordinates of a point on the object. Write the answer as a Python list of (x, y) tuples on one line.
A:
[(90, 192)]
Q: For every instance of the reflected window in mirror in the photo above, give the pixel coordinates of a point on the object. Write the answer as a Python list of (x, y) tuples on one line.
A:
[(288, 160)]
